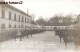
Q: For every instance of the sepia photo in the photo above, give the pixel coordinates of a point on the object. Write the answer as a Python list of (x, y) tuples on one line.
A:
[(39, 25)]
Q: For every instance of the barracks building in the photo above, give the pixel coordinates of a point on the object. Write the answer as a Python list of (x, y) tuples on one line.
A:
[(13, 18)]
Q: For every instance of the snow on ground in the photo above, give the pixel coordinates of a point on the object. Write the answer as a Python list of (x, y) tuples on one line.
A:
[(42, 42)]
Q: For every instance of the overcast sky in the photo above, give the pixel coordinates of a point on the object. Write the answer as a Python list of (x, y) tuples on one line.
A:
[(48, 8)]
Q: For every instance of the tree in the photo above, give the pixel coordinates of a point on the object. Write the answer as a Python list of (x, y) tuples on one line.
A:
[(68, 19), (61, 19), (54, 19), (78, 18), (40, 21)]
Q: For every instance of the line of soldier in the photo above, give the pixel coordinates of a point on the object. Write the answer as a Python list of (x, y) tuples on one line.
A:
[(26, 33), (64, 34), (17, 33), (76, 37), (69, 35)]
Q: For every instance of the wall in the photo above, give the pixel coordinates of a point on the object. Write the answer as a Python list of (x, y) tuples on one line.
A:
[(12, 22)]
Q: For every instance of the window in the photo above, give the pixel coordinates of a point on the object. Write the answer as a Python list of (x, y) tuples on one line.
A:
[(22, 19), (55, 28), (58, 27), (22, 26), (14, 26), (19, 26), (15, 17), (9, 15), (66, 27), (50, 27), (25, 19), (28, 20), (9, 25), (19, 18)]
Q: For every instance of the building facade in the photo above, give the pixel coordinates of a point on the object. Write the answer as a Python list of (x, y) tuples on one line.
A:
[(13, 18), (55, 27)]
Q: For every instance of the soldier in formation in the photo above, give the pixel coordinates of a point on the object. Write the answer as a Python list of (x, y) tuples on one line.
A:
[(19, 35), (76, 37), (65, 34)]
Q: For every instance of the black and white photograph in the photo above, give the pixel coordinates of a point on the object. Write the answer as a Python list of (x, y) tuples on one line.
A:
[(39, 25)]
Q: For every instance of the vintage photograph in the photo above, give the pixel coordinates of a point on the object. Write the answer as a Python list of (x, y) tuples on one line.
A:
[(39, 25)]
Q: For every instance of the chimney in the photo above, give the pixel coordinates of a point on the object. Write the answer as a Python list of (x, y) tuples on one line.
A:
[(27, 11)]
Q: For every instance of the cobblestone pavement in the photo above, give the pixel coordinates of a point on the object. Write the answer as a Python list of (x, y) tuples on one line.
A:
[(42, 42)]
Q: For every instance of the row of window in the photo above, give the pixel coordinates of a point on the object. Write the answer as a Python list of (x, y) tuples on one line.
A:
[(3, 26), (57, 27), (15, 17)]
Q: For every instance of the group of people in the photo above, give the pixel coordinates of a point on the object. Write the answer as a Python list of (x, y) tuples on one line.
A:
[(64, 34), (19, 34), (76, 37), (26, 32)]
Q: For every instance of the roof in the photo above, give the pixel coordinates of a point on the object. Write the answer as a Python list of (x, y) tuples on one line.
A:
[(58, 24), (16, 9)]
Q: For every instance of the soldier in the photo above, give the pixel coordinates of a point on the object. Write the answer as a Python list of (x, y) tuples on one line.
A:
[(27, 32), (59, 33), (15, 34), (66, 37), (19, 35)]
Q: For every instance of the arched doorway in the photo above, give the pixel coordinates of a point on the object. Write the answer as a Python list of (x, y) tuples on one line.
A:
[(55, 28)]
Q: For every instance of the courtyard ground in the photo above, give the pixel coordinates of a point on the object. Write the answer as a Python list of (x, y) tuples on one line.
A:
[(42, 42)]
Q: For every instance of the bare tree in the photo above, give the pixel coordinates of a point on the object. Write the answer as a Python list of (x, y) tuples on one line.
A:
[(41, 21)]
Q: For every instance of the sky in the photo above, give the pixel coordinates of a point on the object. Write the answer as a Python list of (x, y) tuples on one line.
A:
[(49, 8)]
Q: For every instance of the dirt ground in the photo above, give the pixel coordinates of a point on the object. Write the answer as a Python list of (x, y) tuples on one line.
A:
[(42, 42)]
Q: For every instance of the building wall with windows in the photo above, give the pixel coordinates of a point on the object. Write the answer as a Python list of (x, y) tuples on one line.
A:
[(0, 11), (13, 18), (55, 27)]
